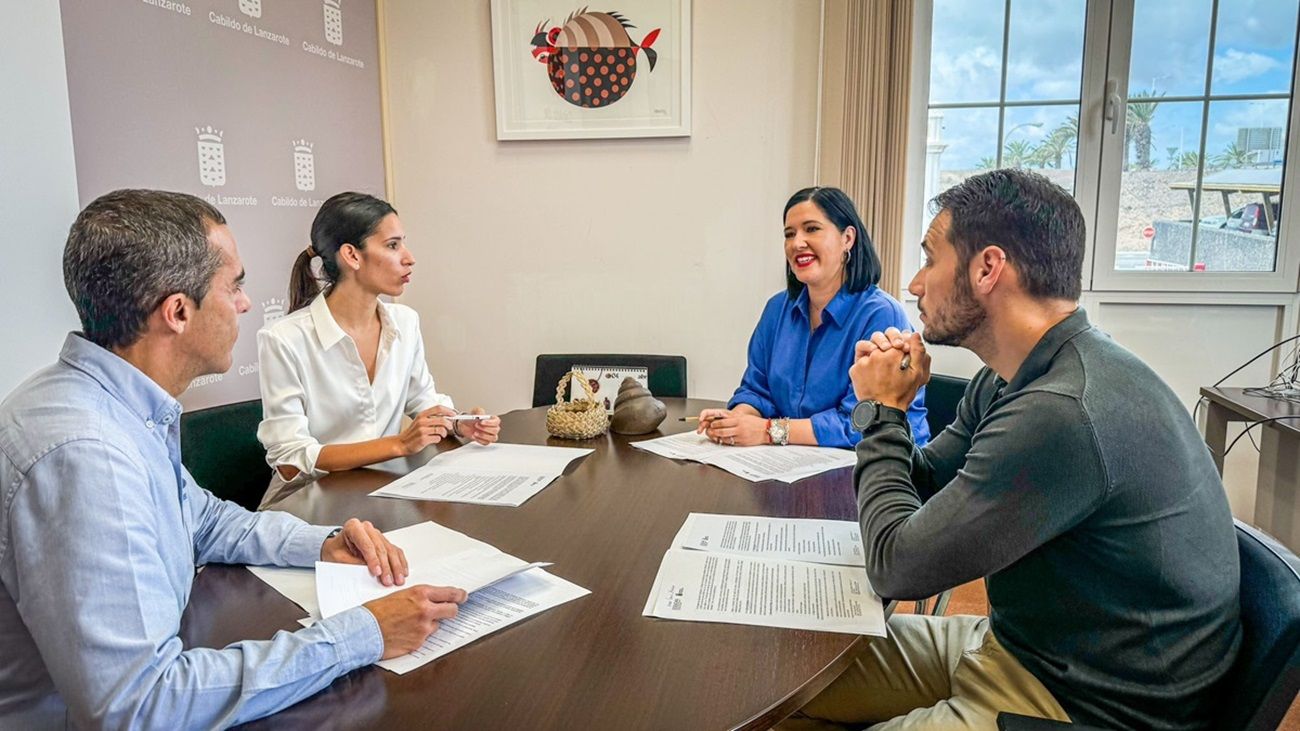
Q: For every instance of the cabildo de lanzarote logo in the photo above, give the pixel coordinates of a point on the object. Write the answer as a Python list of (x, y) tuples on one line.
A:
[(251, 8), (273, 309), (334, 22), (212, 157), (304, 166)]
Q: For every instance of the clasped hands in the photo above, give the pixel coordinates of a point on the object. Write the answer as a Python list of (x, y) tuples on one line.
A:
[(878, 373)]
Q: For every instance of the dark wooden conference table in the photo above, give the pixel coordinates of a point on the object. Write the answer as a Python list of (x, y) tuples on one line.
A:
[(595, 662)]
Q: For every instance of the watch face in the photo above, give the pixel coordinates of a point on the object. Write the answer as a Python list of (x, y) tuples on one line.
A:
[(863, 414)]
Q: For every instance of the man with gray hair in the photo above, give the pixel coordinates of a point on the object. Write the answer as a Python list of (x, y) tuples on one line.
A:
[(101, 526)]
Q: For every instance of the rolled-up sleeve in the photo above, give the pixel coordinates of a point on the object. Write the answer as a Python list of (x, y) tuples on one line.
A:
[(102, 606), (834, 427), (284, 429)]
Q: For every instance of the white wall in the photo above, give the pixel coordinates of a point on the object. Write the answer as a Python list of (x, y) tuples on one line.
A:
[(38, 189), (662, 246)]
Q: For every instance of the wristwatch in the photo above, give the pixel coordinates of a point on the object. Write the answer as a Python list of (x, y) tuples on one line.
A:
[(868, 415), (778, 431)]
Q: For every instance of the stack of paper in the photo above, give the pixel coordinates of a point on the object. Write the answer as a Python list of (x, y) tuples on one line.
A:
[(764, 462), (494, 474), (771, 572), (503, 589)]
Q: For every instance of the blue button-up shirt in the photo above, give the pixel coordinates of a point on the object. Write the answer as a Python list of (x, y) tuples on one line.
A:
[(101, 528), (799, 373)]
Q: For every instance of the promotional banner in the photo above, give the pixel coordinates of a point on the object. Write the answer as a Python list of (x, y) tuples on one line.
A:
[(264, 108)]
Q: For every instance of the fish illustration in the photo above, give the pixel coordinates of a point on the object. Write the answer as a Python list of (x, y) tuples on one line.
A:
[(591, 59)]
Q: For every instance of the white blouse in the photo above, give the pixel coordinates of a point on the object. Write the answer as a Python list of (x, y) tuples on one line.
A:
[(315, 390)]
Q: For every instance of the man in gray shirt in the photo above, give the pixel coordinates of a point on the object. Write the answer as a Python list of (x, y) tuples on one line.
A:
[(1073, 481)]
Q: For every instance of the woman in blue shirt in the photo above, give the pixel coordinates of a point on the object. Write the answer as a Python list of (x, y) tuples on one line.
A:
[(796, 387)]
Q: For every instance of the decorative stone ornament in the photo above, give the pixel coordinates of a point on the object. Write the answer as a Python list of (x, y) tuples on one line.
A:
[(636, 410)]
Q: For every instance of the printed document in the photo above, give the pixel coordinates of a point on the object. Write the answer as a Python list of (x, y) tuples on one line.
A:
[(439, 555), (341, 586), (758, 463), (837, 542), (717, 587), (493, 474)]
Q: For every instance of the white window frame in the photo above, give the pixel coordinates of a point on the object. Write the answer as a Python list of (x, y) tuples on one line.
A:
[(1099, 160)]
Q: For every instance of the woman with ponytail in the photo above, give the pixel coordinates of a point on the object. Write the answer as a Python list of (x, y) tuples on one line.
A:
[(796, 388), (340, 371)]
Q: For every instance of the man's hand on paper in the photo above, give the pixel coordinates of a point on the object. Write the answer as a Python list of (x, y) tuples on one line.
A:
[(362, 543), (878, 372), (406, 618)]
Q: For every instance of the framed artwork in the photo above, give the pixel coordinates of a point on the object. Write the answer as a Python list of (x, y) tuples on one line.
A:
[(564, 71)]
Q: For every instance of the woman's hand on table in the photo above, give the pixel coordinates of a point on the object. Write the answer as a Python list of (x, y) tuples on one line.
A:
[(428, 427), (733, 428)]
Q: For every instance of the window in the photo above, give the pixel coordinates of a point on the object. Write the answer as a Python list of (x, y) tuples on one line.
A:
[(1168, 119)]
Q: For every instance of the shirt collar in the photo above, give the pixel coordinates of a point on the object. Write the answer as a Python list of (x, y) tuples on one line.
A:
[(387, 325), (836, 311), (328, 331), (1041, 357), (123, 381)]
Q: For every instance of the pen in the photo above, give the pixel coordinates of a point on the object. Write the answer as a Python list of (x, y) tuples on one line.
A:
[(696, 418), (906, 362)]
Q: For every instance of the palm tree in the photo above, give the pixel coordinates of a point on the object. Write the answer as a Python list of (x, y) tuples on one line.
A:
[(988, 163), (1233, 157), (1055, 146), (1189, 161), (1141, 109), (1069, 133), (1016, 154)]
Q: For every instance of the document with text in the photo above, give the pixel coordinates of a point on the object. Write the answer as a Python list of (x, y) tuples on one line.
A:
[(716, 587), (488, 610), (836, 542), (493, 474), (758, 463), (424, 543), (341, 586), (503, 589)]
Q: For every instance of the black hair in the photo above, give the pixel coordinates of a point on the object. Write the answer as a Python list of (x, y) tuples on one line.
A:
[(346, 218), (862, 269), (1035, 221)]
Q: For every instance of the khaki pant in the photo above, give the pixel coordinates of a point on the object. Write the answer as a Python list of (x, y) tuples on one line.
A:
[(929, 673)]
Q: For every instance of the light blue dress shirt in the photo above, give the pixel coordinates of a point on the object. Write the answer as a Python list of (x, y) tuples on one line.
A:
[(799, 373), (101, 529)]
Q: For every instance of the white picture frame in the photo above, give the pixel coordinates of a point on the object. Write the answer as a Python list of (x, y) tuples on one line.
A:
[(617, 45)]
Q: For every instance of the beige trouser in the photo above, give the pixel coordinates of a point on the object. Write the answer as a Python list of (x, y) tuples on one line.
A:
[(929, 673)]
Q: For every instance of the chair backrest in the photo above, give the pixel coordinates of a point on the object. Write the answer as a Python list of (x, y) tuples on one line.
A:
[(666, 373), (1265, 677), (220, 449), (942, 394)]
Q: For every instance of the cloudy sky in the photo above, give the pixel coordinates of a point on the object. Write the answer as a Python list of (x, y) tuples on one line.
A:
[(1253, 54)]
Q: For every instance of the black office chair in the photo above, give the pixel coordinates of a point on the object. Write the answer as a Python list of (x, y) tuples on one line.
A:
[(666, 373), (942, 394), (220, 449), (1265, 677)]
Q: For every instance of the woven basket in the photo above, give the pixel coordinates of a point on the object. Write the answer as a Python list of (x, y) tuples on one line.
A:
[(580, 419)]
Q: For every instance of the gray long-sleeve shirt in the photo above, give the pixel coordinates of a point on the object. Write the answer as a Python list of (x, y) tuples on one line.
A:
[(1083, 493)]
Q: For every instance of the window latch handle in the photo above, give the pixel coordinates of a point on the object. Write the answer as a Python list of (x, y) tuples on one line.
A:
[(1113, 103)]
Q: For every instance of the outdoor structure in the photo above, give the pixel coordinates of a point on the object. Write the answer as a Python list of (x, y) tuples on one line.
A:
[(1244, 240)]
